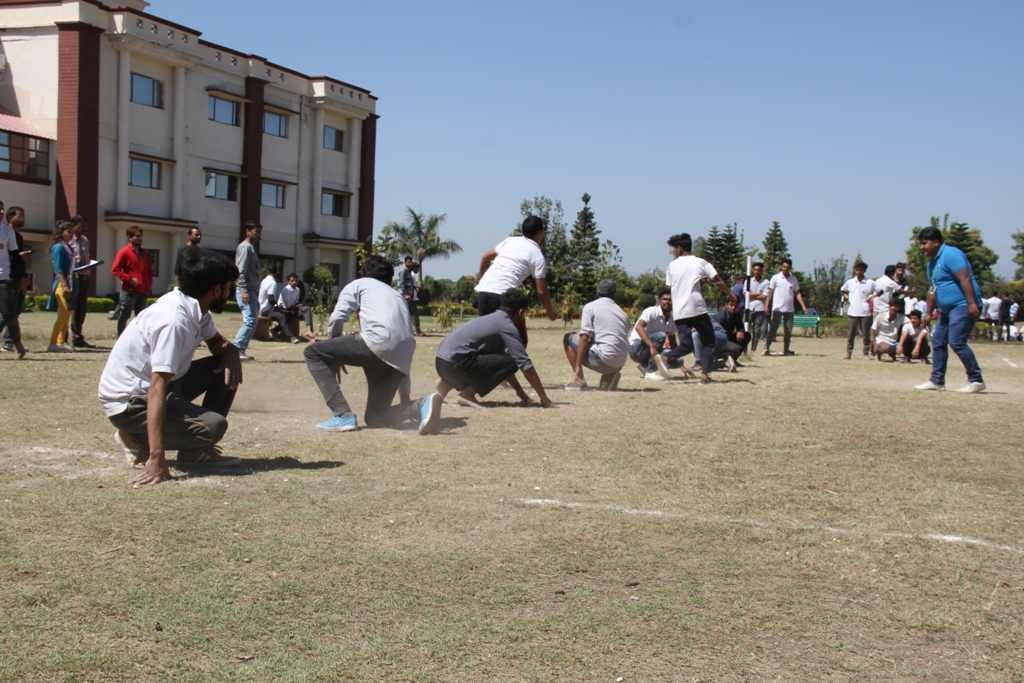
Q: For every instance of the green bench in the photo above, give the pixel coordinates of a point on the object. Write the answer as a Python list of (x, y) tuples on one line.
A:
[(807, 322)]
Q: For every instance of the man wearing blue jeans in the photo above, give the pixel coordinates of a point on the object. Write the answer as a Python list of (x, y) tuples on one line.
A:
[(955, 293), (247, 260)]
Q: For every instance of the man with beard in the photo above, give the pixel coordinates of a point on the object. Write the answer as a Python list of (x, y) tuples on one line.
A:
[(149, 382)]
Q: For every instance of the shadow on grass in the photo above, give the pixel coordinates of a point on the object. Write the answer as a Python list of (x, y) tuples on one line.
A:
[(250, 466)]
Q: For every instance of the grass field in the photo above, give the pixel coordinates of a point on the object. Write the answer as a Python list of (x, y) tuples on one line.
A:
[(805, 519)]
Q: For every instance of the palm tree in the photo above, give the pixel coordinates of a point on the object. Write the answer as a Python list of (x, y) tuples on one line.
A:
[(418, 238)]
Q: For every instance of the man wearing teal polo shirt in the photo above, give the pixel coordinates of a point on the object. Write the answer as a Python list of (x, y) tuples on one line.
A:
[(955, 293)]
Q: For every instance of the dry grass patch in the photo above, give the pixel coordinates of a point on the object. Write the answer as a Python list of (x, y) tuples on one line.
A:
[(783, 524)]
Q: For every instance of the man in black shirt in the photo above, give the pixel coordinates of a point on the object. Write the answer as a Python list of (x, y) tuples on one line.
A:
[(12, 287), (195, 236)]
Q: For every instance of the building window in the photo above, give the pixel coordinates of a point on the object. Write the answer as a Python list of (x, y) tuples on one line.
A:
[(334, 139), (275, 124), (223, 111), (334, 204), (24, 155), (273, 195), (145, 174), (222, 186), (154, 258), (147, 91)]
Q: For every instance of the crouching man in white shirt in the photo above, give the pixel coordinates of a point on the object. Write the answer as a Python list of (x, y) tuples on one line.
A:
[(149, 382), (383, 348), (886, 330), (602, 343), (914, 340)]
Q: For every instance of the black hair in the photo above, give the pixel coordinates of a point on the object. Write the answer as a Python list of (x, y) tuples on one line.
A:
[(914, 313), (890, 271), (513, 301), (787, 261), (663, 292), (860, 264), (682, 240), (379, 268), (204, 269), (901, 264), (58, 230), (272, 269), (930, 233), (292, 275), (13, 210), (407, 258), (252, 225), (532, 225), (896, 300), (415, 264), (79, 219), (758, 263)]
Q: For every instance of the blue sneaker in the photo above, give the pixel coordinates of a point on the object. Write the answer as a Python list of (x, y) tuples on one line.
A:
[(430, 413), (339, 424)]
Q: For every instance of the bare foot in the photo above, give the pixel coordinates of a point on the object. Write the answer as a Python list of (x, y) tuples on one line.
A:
[(468, 400)]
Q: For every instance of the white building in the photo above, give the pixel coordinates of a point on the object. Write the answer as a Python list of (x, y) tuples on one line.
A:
[(112, 113)]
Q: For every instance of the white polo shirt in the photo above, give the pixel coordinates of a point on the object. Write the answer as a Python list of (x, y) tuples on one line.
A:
[(858, 291), (654, 321), (685, 276), (888, 331), (783, 291), (160, 339), (518, 258)]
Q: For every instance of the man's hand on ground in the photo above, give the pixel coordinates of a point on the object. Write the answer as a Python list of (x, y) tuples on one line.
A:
[(156, 471)]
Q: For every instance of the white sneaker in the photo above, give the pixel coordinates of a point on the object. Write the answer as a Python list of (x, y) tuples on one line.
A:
[(662, 366), (654, 376), (731, 363), (928, 386), (971, 388)]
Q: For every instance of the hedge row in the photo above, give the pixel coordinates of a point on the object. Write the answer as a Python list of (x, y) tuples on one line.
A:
[(100, 304)]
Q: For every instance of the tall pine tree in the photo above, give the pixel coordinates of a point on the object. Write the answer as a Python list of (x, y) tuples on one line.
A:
[(585, 248), (775, 249)]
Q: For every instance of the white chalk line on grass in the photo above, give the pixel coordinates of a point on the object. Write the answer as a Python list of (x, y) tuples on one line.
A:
[(551, 502), (1009, 362)]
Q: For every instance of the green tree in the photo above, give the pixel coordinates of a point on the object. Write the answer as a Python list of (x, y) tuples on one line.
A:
[(419, 237), (774, 249), (1018, 257), (828, 284), (585, 248)]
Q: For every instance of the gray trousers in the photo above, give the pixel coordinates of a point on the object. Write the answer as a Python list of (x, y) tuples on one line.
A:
[(757, 331), (186, 425), (863, 324), (787, 331), (382, 380)]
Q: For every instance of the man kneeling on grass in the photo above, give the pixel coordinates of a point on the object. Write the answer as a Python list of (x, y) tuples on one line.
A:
[(484, 352), (886, 329), (383, 348), (149, 382)]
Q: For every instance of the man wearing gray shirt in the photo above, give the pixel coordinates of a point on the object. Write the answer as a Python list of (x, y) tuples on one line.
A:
[(602, 343), (483, 353), (383, 348), (247, 260)]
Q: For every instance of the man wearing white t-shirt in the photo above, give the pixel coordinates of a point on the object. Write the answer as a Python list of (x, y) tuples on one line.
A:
[(758, 295), (886, 330), (602, 343), (149, 382), (857, 291), (509, 264), (652, 330), (886, 288), (685, 275), (914, 339), (783, 289)]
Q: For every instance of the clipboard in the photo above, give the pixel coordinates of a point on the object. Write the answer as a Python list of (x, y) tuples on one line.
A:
[(87, 266)]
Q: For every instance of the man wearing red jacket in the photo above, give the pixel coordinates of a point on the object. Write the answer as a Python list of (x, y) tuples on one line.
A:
[(133, 268)]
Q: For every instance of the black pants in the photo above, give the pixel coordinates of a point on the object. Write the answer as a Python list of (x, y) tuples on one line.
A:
[(705, 330), (81, 307), (382, 380), (281, 319), (186, 425), (483, 372), (908, 348), (786, 319), (10, 309)]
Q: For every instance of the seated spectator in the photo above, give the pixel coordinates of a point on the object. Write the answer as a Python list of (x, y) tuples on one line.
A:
[(290, 301), (602, 344), (730, 319), (914, 340), (652, 330), (486, 351), (886, 329), (268, 306)]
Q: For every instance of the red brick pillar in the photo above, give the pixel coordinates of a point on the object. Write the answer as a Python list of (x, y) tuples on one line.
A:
[(252, 154), (367, 169)]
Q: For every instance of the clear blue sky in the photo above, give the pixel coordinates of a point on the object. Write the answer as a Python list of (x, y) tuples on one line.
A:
[(848, 122)]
